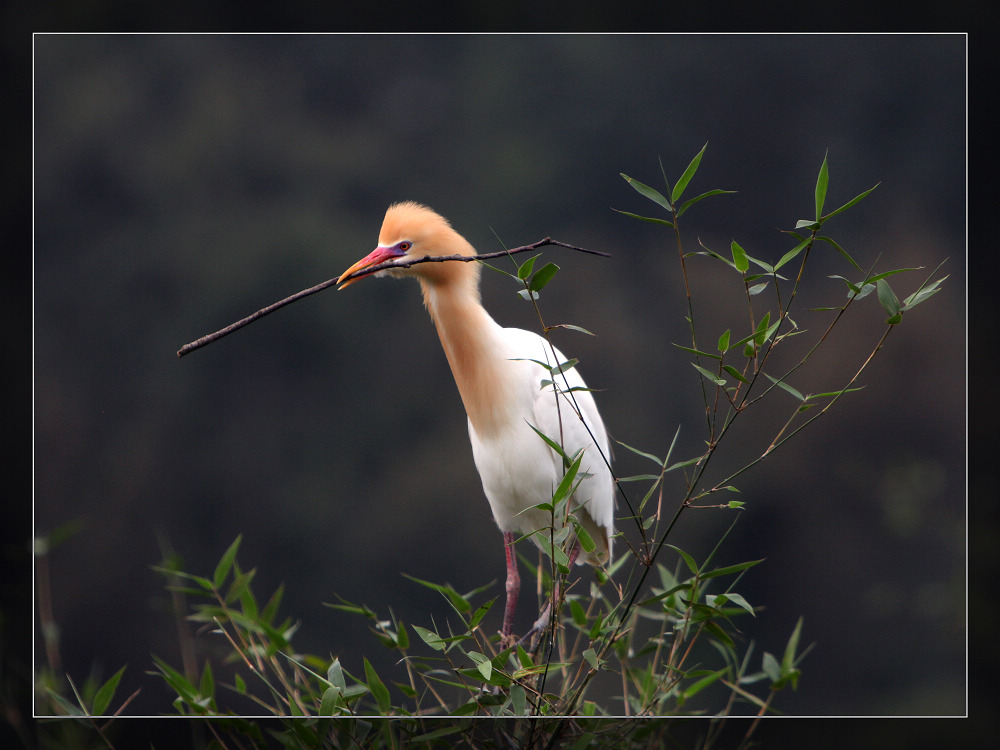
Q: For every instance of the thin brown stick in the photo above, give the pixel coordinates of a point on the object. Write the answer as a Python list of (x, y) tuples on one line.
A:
[(205, 340)]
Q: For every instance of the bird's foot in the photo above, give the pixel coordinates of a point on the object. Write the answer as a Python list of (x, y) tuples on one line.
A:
[(534, 635)]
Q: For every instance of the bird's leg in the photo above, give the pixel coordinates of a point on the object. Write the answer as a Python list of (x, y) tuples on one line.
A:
[(513, 588), (543, 619)]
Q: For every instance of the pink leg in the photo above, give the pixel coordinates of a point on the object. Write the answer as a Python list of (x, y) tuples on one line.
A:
[(513, 587)]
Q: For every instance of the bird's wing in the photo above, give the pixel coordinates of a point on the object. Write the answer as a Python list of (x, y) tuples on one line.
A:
[(571, 419)]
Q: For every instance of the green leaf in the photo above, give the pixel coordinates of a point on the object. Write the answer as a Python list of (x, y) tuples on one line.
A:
[(638, 452), (542, 276), (571, 327), (524, 270), (431, 638), (586, 541), (923, 293), (792, 253), (552, 444), (701, 684), (771, 668), (645, 218), (681, 464), (730, 569), (685, 178), (735, 599), (180, 684), (271, 608), (331, 697), (239, 587), (739, 257), (785, 386), (377, 687), (518, 700), (856, 199), (711, 376), (688, 203), (821, 183), (718, 633), (765, 266), (483, 664), (653, 195), (688, 560), (565, 487), (480, 612), (358, 609), (735, 373), (226, 563), (563, 367), (335, 675), (459, 602), (723, 344), (788, 658), (207, 685), (887, 298), (106, 692), (713, 254), (698, 351), (840, 250)]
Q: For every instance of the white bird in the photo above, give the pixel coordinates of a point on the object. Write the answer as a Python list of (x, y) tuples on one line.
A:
[(501, 388)]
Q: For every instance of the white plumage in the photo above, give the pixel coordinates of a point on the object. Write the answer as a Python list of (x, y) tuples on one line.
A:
[(501, 388)]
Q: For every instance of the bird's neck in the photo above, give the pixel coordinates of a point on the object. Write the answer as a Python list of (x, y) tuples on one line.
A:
[(473, 344)]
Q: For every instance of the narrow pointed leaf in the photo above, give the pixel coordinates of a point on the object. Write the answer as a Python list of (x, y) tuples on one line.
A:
[(226, 563), (524, 270), (699, 352), (887, 298), (922, 294), (645, 218), (377, 687), (688, 560), (638, 452), (840, 250), (106, 692), (785, 386), (821, 183), (723, 344), (685, 178), (709, 375), (735, 373), (739, 257), (653, 195), (542, 276), (688, 203), (792, 253), (856, 199)]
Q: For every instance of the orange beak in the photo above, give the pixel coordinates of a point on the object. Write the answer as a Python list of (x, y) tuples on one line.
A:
[(375, 257)]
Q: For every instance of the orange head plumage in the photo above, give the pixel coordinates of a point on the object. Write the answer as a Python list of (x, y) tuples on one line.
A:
[(410, 231)]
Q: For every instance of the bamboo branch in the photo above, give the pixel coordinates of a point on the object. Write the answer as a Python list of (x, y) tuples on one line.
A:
[(205, 340)]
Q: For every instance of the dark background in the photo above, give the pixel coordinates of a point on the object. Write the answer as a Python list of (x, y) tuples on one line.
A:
[(182, 182)]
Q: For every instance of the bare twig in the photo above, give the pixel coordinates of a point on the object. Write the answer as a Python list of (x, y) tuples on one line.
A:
[(205, 340)]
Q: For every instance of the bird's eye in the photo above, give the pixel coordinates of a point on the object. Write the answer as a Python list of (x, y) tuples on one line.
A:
[(404, 246)]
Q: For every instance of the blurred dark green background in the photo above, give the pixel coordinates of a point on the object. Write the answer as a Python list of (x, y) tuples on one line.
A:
[(182, 182)]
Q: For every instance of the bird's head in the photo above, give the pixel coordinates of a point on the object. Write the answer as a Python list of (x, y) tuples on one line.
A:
[(411, 231)]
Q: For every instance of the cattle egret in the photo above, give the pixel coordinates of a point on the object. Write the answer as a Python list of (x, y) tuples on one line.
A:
[(502, 390)]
